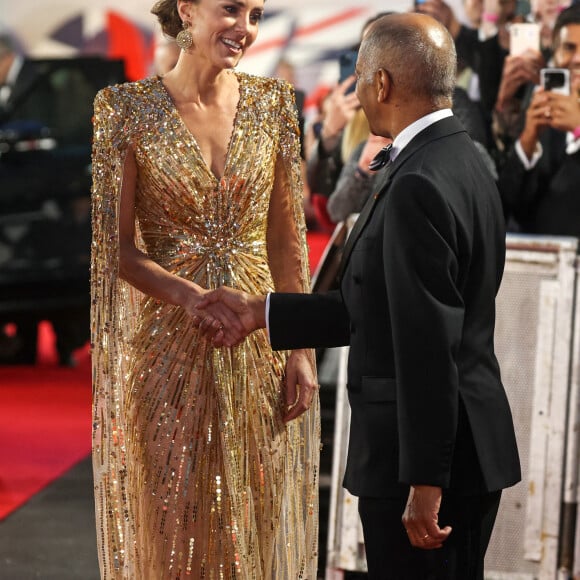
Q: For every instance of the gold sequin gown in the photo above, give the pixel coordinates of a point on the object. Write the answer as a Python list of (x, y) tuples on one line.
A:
[(196, 475)]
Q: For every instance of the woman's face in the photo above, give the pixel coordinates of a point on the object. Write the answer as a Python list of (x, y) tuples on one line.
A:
[(222, 29)]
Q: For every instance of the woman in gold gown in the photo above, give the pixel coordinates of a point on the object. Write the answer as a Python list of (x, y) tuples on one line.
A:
[(199, 471)]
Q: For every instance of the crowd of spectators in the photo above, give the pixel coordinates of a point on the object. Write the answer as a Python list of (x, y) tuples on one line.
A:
[(529, 136)]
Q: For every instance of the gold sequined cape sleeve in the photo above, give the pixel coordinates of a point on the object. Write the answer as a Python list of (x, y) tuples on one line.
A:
[(114, 304), (288, 257), (196, 474)]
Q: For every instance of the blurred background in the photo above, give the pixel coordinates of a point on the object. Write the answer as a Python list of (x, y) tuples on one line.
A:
[(306, 33)]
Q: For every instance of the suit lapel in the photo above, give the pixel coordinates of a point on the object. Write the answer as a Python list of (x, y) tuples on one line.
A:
[(363, 218), (442, 128)]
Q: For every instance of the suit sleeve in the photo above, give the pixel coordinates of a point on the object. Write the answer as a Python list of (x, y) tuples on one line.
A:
[(427, 312), (518, 187), (308, 321)]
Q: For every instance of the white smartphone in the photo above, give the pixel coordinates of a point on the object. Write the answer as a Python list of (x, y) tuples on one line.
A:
[(556, 80), (524, 36)]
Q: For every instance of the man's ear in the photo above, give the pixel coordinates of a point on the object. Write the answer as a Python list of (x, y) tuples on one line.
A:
[(382, 85)]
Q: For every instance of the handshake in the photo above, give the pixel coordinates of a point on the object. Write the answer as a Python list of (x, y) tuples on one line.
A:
[(226, 316)]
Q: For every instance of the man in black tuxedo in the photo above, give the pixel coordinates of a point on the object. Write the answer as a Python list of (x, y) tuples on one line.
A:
[(432, 441)]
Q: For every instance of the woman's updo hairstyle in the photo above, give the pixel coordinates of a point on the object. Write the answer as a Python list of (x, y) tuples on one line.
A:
[(168, 17)]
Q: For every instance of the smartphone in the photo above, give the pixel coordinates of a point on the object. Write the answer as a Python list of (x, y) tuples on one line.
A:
[(524, 36), (347, 62), (556, 80)]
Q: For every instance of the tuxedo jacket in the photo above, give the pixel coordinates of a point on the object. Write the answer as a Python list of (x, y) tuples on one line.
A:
[(416, 305), (544, 200)]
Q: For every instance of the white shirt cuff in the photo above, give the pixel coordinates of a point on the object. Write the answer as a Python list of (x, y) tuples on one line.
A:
[(267, 314), (528, 163)]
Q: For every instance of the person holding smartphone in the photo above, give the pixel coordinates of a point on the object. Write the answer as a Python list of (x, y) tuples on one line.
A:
[(327, 157), (483, 46), (539, 181)]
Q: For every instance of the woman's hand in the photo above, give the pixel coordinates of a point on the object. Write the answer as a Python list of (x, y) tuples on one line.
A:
[(340, 108), (237, 314), (212, 318)]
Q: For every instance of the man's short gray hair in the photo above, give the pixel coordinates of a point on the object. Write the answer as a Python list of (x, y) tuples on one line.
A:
[(422, 63)]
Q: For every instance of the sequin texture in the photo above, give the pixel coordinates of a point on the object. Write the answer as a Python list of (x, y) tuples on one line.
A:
[(196, 474)]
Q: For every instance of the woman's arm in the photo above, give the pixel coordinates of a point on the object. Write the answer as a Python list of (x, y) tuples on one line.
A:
[(135, 266), (287, 248)]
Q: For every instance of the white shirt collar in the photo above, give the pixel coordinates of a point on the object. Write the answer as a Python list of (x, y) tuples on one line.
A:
[(409, 132)]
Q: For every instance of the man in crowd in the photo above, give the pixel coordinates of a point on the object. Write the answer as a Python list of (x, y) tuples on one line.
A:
[(539, 182)]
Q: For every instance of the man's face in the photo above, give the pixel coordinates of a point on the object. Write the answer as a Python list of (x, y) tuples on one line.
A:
[(567, 54)]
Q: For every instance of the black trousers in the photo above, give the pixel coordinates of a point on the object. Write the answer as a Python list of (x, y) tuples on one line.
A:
[(390, 555)]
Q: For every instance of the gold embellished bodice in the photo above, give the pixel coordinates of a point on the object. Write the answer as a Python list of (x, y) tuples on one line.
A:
[(193, 219)]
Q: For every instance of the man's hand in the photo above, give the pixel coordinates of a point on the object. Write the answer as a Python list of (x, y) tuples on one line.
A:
[(300, 384), (214, 319), (517, 71), (340, 108), (538, 117), (246, 313), (421, 517), (565, 109)]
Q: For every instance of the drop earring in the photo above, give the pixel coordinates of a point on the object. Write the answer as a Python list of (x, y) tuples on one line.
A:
[(184, 39)]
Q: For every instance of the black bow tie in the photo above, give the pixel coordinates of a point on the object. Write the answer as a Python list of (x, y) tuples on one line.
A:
[(381, 158)]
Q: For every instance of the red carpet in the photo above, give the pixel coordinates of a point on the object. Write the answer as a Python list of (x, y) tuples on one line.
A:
[(316, 244), (45, 423)]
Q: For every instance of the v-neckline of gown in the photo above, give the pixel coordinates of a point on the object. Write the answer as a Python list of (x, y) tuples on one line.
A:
[(177, 115)]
